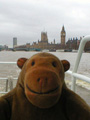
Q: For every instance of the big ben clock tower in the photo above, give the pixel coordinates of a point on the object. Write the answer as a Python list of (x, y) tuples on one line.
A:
[(63, 35)]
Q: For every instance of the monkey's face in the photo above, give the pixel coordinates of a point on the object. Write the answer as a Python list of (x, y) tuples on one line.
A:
[(44, 78)]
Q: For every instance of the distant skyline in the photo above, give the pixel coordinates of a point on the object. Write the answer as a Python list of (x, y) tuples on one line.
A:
[(26, 19)]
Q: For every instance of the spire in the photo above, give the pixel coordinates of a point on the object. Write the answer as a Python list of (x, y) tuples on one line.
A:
[(63, 29)]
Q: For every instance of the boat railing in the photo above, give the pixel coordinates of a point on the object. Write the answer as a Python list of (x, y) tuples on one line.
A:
[(9, 79), (73, 73)]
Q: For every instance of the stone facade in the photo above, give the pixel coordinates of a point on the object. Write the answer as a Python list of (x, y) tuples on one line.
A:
[(44, 44), (63, 35), (87, 47)]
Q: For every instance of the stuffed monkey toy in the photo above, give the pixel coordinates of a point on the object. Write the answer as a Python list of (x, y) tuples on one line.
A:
[(41, 92)]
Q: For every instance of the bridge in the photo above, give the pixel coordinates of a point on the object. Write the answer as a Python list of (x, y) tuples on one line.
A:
[(26, 49)]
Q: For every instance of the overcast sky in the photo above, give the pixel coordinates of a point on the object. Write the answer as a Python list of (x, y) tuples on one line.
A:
[(26, 19)]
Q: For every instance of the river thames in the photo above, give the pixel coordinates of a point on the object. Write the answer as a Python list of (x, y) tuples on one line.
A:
[(12, 70)]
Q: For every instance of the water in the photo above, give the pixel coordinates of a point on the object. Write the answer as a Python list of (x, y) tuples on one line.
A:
[(13, 70)]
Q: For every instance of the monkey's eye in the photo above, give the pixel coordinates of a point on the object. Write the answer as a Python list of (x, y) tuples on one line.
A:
[(54, 64), (33, 63)]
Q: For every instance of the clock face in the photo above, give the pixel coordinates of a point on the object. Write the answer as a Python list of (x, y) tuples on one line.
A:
[(63, 34)]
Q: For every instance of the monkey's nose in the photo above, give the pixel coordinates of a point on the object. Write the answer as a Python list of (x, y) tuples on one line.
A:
[(42, 79), (38, 79), (42, 82)]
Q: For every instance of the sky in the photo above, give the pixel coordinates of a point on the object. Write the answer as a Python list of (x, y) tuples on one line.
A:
[(26, 19)]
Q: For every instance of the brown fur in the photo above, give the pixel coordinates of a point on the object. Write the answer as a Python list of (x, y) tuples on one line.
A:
[(41, 93)]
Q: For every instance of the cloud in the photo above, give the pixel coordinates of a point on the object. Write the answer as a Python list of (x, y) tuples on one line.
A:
[(25, 19)]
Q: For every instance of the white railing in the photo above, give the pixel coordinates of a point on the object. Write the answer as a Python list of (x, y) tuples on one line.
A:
[(9, 79), (74, 74)]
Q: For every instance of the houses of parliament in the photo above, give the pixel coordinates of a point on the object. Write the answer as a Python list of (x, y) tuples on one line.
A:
[(44, 44)]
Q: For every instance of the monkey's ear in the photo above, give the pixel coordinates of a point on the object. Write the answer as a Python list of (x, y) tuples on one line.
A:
[(20, 62), (66, 65)]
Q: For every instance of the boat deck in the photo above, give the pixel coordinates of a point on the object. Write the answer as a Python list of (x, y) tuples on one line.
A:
[(83, 93)]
